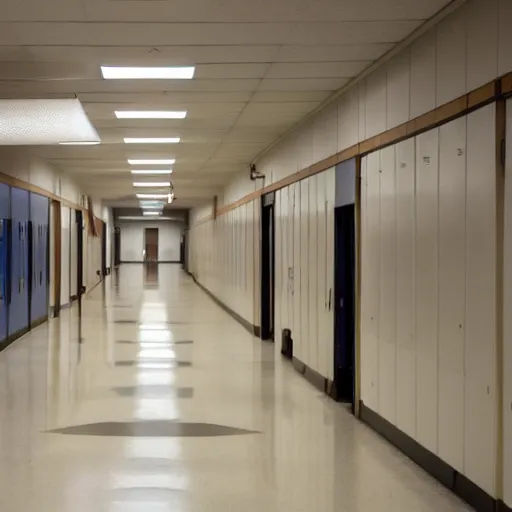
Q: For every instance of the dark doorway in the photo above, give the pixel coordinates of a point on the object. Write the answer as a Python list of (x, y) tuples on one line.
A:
[(151, 244), (344, 294), (79, 252), (267, 267), (104, 250), (117, 246)]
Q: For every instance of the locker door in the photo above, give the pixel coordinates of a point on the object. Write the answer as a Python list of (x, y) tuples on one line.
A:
[(4, 246), (39, 295), (18, 308)]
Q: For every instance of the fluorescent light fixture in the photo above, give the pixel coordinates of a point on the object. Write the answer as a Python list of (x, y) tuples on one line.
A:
[(140, 217), (80, 143), (152, 213), (148, 73), (38, 122), (169, 161), (151, 171), (152, 196), (151, 140), (150, 114), (155, 184)]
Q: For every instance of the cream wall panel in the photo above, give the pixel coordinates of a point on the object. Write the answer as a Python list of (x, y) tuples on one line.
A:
[(398, 89), (278, 266), (405, 287), (504, 37), (362, 110), (348, 119), (507, 316), (325, 133), (482, 42), (284, 259), (321, 272), (370, 282), (304, 147), (480, 345), (423, 74), (313, 274), (73, 254), (452, 177), (376, 94), (427, 287), (65, 257), (297, 245), (451, 57), (330, 191), (304, 270), (387, 292), (290, 250)]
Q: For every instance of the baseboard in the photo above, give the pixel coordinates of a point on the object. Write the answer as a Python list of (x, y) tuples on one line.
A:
[(431, 463), (315, 378), (13, 337), (38, 322), (252, 329)]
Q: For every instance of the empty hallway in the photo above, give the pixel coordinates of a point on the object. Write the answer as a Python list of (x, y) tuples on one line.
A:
[(168, 404)]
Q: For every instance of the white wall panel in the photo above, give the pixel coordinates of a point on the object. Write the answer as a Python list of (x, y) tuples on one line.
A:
[(313, 274), (298, 234), (289, 261), (65, 257), (423, 74), (330, 191), (427, 285), (507, 316), (73, 240), (278, 264), (480, 344), (398, 89), (362, 110), (451, 57), (405, 287), (387, 291), (348, 119), (284, 259), (376, 93), (504, 36), (452, 226), (482, 42), (370, 283), (321, 273), (304, 270), (325, 134)]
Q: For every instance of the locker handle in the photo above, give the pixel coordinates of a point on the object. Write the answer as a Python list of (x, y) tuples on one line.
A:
[(8, 262), (330, 298)]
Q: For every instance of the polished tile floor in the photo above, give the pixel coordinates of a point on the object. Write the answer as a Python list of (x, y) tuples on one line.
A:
[(167, 404)]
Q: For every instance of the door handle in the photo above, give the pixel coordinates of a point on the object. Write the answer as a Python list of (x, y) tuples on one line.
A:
[(330, 298)]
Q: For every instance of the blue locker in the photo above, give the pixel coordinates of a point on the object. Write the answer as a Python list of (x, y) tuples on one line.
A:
[(39, 210), (18, 307), (5, 214)]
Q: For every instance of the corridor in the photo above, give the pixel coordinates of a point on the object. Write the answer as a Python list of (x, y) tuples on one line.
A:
[(168, 404)]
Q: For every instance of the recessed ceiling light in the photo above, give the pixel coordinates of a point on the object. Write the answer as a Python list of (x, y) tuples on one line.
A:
[(152, 196), (169, 161), (151, 213), (151, 140), (151, 171), (148, 73), (150, 114), (80, 143), (156, 184)]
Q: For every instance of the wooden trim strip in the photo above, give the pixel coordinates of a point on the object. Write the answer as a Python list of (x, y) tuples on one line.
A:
[(459, 107), (17, 183)]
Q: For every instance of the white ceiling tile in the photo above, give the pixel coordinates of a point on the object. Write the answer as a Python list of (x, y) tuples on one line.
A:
[(316, 69), (302, 84), (346, 53), (220, 10), (286, 96), (231, 71), (154, 34)]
